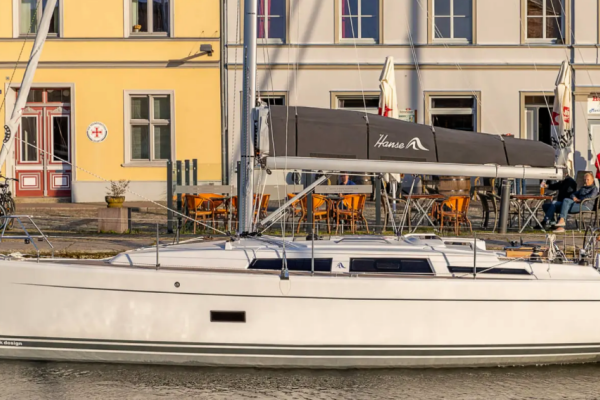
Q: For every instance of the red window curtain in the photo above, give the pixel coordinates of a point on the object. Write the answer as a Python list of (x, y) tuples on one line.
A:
[(345, 11), (261, 18)]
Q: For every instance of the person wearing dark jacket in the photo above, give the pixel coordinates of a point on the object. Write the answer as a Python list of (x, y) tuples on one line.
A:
[(572, 203)]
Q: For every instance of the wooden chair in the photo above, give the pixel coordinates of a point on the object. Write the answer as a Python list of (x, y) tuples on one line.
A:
[(455, 210), (489, 205), (260, 213), (351, 209), (321, 211), (199, 208), (295, 208), (218, 204)]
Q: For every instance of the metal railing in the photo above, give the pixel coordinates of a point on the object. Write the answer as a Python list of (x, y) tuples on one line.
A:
[(26, 236)]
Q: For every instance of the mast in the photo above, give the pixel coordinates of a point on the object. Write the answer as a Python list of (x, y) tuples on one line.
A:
[(249, 102), (12, 126)]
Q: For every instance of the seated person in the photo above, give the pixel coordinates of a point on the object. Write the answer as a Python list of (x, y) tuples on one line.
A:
[(345, 180), (565, 189), (572, 204)]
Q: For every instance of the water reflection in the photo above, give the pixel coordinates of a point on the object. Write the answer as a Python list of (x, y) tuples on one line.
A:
[(42, 380)]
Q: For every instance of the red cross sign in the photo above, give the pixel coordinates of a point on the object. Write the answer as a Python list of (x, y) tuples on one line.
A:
[(97, 132)]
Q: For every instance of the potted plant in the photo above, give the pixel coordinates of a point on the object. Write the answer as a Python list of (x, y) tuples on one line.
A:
[(136, 28), (115, 196)]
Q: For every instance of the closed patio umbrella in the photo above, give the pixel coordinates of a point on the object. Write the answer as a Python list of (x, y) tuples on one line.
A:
[(562, 126), (388, 107)]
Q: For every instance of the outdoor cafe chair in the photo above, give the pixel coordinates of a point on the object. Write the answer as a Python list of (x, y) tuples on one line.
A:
[(218, 205), (455, 211), (199, 208), (321, 211), (351, 209)]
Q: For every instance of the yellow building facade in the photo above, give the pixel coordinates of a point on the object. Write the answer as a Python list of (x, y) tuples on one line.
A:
[(122, 86)]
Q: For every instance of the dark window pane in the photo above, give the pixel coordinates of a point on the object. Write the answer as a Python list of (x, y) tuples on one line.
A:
[(370, 7), (277, 28), (442, 27), (462, 7), (140, 143), (139, 108), (273, 101), (60, 138), (485, 270), (450, 102), (54, 20), (463, 28), (460, 122), (349, 7), (277, 8), (293, 264), (349, 27), (370, 28), (554, 7), (535, 7), (35, 96), (162, 108), (369, 102), (442, 7), (553, 30), (416, 266), (540, 100), (29, 151), (535, 27), (59, 95), (160, 15), (139, 15), (162, 142)]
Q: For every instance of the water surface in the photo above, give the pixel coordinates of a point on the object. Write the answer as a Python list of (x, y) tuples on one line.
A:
[(44, 380)]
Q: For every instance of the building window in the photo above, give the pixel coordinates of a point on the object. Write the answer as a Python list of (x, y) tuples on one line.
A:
[(358, 103), (545, 20), (150, 127), (272, 20), (456, 112), (453, 20), (271, 100), (150, 16), (30, 17), (360, 20)]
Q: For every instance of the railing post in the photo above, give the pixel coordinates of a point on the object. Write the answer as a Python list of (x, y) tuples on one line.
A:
[(378, 204), (504, 205), (179, 182), (195, 172), (309, 204), (169, 197)]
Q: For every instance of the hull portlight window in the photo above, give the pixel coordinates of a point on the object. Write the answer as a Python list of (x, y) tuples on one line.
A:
[(391, 265), (293, 264), (483, 270), (228, 316)]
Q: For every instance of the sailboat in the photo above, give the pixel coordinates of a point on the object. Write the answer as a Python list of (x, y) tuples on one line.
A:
[(417, 300)]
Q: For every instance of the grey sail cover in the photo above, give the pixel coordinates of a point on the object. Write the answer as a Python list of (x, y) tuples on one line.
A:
[(325, 133)]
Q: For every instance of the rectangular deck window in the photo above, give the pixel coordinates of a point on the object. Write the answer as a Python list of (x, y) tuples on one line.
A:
[(391, 265)]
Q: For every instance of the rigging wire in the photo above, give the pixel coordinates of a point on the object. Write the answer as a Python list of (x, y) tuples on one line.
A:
[(12, 76), (354, 38), (47, 153), (458, 67)]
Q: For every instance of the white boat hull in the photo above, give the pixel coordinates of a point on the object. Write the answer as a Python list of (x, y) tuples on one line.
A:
[(129, 315)]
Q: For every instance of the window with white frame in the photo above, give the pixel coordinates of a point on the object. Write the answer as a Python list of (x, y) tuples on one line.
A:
[(360, 20), (150, 127), (150, 16), (272, 99), (369, 103), (454, 112), (453, 20), (30, 17), (272, 20), (545, 19)]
